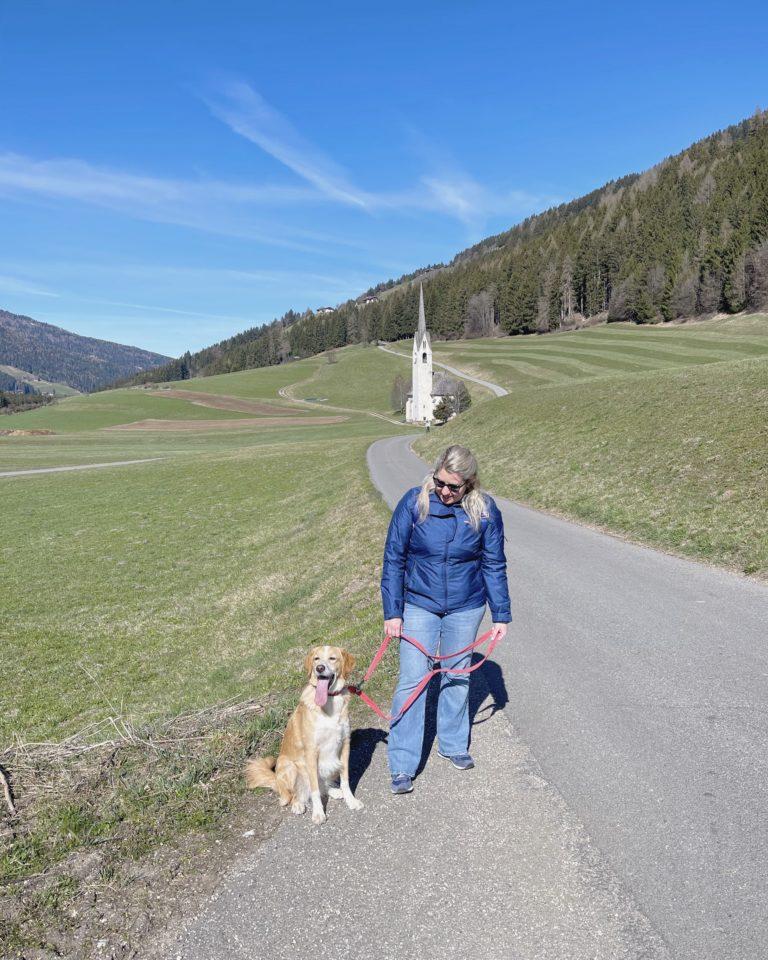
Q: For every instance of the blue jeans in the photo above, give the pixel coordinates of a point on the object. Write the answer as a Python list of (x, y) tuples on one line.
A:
[(438, 635)]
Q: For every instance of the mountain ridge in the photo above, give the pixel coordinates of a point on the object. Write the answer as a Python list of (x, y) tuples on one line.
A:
[(54, 354), (687, 237)]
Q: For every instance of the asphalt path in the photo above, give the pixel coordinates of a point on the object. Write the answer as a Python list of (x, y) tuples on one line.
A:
[(639, 681), (495, 389), (479, 865), (80, 466)]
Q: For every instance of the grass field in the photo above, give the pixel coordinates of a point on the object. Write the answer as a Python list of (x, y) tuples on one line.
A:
[(147, 592), (164, 586), (153, 590), (362, 378), (606, 351), (95, 411), (42, 386), (677, 458)]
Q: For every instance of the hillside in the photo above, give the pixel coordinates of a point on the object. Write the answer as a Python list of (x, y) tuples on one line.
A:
[(672, 457), (41, 351), (687, 238)]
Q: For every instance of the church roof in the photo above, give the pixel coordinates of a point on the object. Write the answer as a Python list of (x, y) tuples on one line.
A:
[(421, 330)]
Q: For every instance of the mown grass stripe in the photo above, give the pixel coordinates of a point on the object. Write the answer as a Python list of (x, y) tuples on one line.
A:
[(677, 458)]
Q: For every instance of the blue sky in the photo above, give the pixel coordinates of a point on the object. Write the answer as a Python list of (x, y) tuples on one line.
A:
[(172, 173)]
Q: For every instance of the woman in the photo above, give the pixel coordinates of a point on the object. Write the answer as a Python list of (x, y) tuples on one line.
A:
[(443, 559)]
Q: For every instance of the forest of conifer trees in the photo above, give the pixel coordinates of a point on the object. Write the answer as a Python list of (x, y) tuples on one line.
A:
[(688, 237)]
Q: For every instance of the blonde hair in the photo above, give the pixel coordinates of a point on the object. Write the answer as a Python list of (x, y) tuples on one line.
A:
[(461, 461)]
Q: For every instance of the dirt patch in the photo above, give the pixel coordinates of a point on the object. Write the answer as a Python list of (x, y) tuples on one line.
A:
[(108, 880), (170, 426), (224, 402), (26, 433)]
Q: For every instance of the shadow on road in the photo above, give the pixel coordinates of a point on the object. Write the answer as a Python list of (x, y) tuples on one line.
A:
[(486, 684), (362, 748)]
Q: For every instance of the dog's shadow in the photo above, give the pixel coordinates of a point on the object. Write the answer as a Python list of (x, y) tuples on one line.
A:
[(487, 684), (362, 748)]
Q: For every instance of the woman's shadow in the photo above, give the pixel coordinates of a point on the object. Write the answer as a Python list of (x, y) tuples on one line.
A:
[(486, 684)]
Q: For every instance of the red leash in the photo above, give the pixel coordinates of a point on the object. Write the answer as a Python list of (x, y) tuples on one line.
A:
[(358, 691)]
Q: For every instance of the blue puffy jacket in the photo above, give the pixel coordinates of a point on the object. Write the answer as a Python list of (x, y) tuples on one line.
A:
[(442, 564)]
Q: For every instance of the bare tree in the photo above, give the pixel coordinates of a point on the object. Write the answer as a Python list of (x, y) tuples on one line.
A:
[(735, 287), (399, 395), (756, 277), (481, 315), (683, 300), (462, 399), (706, 190), (657, 280), (708, 293), (543, 303), (566, 293)]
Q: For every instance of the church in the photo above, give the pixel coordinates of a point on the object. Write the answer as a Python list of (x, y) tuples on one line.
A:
[(426, 392)]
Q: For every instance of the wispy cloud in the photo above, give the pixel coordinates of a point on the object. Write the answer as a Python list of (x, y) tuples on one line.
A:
[(213, 206), (14, 285), (247, 113), (446, 189), (257, 211)]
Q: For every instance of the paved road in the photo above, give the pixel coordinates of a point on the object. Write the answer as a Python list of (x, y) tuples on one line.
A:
[(83, 466), (490, 864), (493, 387), (640, 683)]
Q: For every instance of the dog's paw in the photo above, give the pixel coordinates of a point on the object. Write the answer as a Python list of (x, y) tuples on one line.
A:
[(335, 793), (298, 808), (318, 817), (354, 804)]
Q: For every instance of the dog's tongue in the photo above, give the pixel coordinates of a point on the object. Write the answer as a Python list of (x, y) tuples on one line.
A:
[(321, 691)]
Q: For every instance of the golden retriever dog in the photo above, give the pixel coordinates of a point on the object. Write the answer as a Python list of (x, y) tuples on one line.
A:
[(315, 746)]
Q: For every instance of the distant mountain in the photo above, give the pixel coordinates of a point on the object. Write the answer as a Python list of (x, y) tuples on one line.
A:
[(50, 353)]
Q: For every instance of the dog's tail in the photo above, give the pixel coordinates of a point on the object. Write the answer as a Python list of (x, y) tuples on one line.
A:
[(261, 773)]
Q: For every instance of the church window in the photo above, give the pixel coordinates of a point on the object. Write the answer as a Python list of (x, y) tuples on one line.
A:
[(423, 358)]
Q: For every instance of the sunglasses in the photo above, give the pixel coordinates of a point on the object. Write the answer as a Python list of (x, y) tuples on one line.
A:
[(453, 487)]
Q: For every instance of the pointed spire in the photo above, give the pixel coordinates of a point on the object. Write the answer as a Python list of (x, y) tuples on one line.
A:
[(421, 330)]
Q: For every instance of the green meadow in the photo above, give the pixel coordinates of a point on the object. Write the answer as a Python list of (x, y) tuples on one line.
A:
[(135, 597), (43, 386), (166, 586), (359, 378), (676, 458), (94, 411), (152, 591), (362, 379), (615, 350)]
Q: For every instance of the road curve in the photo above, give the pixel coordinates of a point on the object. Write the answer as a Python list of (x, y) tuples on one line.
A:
[(493, 387), (640, 683), (472, 866)]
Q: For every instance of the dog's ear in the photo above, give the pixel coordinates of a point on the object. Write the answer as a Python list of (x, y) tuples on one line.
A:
[(348, 662), (308, 662)]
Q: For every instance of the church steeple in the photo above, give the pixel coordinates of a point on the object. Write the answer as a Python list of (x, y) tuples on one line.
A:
[(420, 405), (421, 330)]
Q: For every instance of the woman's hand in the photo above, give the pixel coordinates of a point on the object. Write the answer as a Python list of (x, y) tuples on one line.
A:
[(499, 631), (393, 628)]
